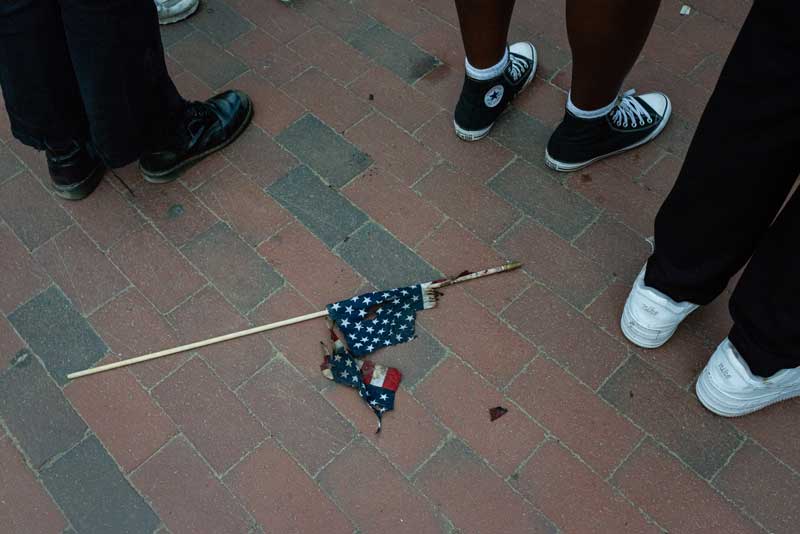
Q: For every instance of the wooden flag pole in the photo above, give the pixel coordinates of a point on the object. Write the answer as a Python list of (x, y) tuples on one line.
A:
[(197, 344), (510, 266), (266, 327)]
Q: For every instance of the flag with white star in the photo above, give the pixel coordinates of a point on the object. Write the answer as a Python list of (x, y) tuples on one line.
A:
[(376, 384), (375, 320)]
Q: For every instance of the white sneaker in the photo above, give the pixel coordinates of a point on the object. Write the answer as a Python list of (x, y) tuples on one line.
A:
[(170, 11), (728, 388), (650, 317)]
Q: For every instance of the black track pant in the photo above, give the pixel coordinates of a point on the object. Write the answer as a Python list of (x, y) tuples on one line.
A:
[(739, 171)]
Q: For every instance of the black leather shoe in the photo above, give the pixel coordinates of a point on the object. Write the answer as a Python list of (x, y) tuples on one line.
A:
[(75, 171), (207, 127)]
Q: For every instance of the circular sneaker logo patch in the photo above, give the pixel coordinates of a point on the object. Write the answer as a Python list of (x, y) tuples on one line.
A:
[(494, 96)]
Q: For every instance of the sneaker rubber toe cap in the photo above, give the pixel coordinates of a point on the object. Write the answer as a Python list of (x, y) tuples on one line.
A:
[(524, 49), (658, 101)]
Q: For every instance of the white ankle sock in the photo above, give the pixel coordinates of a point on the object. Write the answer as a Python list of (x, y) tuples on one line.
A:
[(589, 114), (488, 73)]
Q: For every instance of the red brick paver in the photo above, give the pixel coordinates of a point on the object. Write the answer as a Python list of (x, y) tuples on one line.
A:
[(120, 323), (402, 211), (410, 433), (565, 335), (209, 414), (763, 486), (24, 504), (10, 343), (307, 263), (186, 494), (474, 497), (125, 418), (453, 249), (160, 272), (247, 436), (295, 505), (85, 274), (394, 149), (479, 337), (384, 500), (22, 278), (461, 399), (579, 419), (574, 497), (694, 506)]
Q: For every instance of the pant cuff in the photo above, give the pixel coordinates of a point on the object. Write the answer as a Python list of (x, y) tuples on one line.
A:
[(761, 361), (667, 282)]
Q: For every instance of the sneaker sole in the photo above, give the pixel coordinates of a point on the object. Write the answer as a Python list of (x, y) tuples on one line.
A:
[(707, 398), (167, 176), (477, 135), (472, 135), (179, 17), (560, 166)]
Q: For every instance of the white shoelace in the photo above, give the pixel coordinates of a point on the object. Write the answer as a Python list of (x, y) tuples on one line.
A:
[(629, 110), (518, 66)]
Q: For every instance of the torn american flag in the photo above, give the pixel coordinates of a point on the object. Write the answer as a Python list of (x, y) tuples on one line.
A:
[(376, 384), (375, 320), (370, 322)]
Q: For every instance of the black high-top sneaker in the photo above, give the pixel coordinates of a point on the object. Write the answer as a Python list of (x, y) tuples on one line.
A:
[(482, 101), (634, 120), (205, 128), (74, 170)]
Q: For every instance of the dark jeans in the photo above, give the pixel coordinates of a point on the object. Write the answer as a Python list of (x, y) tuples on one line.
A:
[(86, 70), (739, 171)]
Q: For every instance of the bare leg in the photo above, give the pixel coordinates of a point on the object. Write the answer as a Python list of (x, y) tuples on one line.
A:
[(484, 29), (606, 37)]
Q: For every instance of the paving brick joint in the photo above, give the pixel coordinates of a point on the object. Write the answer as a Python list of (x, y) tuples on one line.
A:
[(350, 178)]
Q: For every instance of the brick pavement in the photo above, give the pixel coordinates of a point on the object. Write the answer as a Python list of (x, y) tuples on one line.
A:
[(350, 178)]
